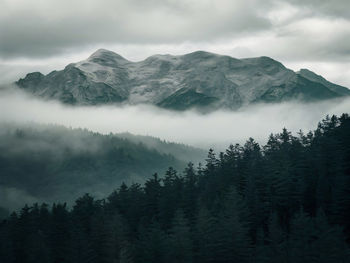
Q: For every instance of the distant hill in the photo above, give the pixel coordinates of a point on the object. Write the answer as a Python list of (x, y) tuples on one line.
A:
[(199, 79), (54, 163)]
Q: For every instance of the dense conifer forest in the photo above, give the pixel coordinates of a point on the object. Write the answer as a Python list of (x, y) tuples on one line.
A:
[(287, 201)]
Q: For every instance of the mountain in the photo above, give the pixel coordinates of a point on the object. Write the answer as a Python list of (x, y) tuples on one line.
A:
[(49, 163), (198, 79)]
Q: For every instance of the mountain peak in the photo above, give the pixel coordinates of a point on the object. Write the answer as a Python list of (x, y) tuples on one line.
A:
[(305, 70), (104, 54), (200, 54)]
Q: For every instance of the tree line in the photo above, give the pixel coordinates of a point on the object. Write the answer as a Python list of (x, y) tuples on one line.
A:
[(286, 201)]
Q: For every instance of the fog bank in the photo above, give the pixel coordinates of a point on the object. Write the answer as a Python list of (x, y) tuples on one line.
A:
[(217, 129)]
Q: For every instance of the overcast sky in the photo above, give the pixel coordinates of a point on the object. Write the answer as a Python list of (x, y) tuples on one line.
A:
[(43, 35)]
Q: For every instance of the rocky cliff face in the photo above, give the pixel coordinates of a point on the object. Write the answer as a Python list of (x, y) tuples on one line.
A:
[(198, 79)]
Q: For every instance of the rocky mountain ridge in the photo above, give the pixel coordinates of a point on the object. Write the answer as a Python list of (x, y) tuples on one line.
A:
[(199, 79)]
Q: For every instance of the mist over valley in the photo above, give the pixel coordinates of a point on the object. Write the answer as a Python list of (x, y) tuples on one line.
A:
[(174, 131)]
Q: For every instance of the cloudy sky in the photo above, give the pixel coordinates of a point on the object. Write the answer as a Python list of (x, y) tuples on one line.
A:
[(43, 35)]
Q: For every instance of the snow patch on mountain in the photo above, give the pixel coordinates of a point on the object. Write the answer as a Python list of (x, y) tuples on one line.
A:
[(200, 78)]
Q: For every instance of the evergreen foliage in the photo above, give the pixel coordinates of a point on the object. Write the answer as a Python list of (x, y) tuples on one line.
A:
[(287, 202)]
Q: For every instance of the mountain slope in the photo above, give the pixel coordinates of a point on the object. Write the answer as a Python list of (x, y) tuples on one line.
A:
[(199, 79), (319, 79), (52, 163)]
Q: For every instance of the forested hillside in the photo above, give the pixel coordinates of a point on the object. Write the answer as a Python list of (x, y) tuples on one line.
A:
[(287, 201), (47, 163)]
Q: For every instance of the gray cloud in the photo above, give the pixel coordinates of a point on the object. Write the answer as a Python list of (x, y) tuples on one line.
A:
[(38, 28), (295, 32), (336, 9)]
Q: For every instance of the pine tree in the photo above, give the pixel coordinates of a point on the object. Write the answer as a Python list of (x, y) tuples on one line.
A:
[(152, 244), (300, 239), (276, 249), (180, 249), (207, 241), (60, 234), (152, 196), (103, 238), (6, 242), (234, 223), (328, 241)]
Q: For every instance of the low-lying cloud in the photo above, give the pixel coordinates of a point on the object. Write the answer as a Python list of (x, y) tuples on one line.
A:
[(217, 129), (15, 198)]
